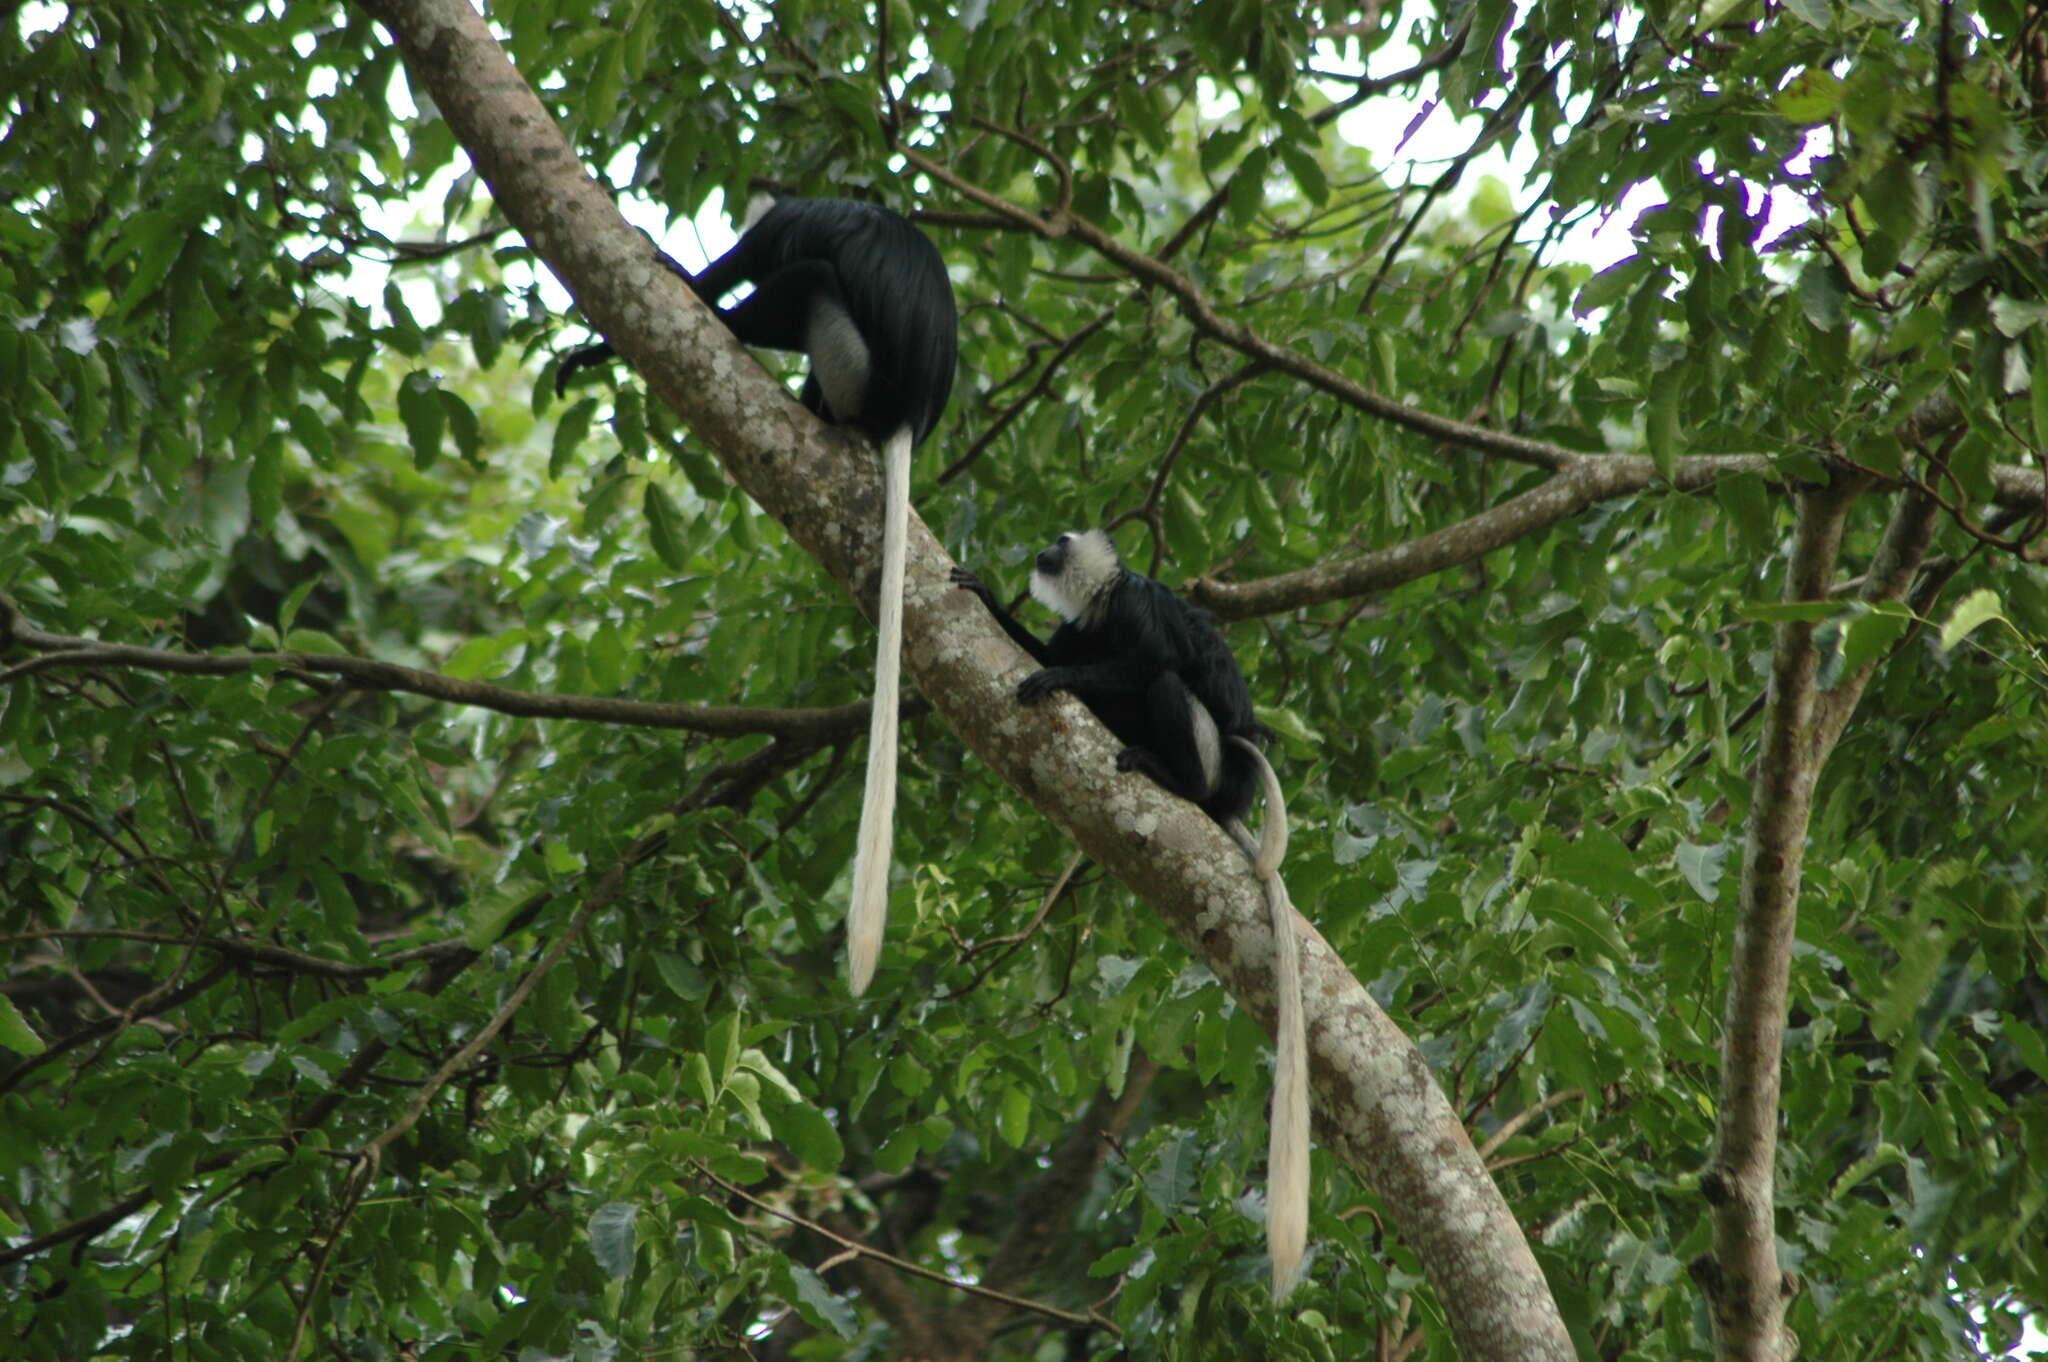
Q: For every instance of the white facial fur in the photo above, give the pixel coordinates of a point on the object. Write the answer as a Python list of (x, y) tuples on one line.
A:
[(1079, 587)]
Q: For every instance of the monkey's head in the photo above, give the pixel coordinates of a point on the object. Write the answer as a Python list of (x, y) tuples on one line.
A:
[(1075, 574)]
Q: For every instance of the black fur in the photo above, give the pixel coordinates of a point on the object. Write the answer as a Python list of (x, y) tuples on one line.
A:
[(1137, 658), (1157, 671), (870, 261)]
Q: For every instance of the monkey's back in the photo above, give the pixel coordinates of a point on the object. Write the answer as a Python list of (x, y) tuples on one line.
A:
[(896, 291), (1146, 623)]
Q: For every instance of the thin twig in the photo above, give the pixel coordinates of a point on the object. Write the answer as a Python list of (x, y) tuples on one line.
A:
[(1090, 1320), (1015, 940), (65, 650)]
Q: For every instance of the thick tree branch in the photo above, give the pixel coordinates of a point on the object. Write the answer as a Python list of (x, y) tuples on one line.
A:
[(1745, 1291), (1586, 481), (1384, 1112)]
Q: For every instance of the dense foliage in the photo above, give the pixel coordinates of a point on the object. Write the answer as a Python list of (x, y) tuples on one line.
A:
[(272, 376)]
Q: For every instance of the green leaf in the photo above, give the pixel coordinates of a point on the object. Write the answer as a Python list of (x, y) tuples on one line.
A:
[(1220, 147), (817, 1303), (1247, 193), (1577, 918), (419, 406), (1872, 634), (722, 1047), (2037, 386), (1306, 170), (314, 641), (289, 609), (1170, 1179), (1598, 861), (897, 1151), (1660, 421), (462, 423), (1013, 1116), (1702, 867), (810, 1135), (1909, 981), (1607, 288), (312, 434), (570, 428), (1811, 97), (161, 245), (611, 1237), (15, 1032), (2028, 1044), (488, 913), (2016, 316), (1979, 607), (684, 979), (664, 527), (480, 655), (1823, 295), (714, 1249)]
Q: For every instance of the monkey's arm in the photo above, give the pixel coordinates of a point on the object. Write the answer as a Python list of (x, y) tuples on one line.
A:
[(1019, 635), (590, 356), (1089, 683)]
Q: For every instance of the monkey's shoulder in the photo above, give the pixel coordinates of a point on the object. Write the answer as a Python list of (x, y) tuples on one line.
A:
[(1188, 637)]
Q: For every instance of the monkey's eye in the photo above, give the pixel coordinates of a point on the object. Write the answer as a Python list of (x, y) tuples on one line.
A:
[(1063, 539)]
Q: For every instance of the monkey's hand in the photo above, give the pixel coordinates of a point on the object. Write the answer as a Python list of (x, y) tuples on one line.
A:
[(1038, 685), (967, 581)]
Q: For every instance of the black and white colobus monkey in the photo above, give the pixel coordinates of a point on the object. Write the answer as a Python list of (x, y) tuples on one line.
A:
[(864, 294), (1157, 672)]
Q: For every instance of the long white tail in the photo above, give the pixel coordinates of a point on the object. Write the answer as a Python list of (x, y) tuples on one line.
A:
[(1287, 1155), (868, 913)]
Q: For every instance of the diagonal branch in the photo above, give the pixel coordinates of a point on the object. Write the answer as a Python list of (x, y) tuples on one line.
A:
[(1040, 386), (1558, 498)]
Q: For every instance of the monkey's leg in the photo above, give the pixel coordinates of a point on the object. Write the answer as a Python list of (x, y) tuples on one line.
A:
[(801, 307), (1182, 750), (777, 314)]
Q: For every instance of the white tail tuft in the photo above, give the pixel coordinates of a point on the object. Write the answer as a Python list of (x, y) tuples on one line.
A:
[(868, 913), (1287, 1154), (1273, 829)]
